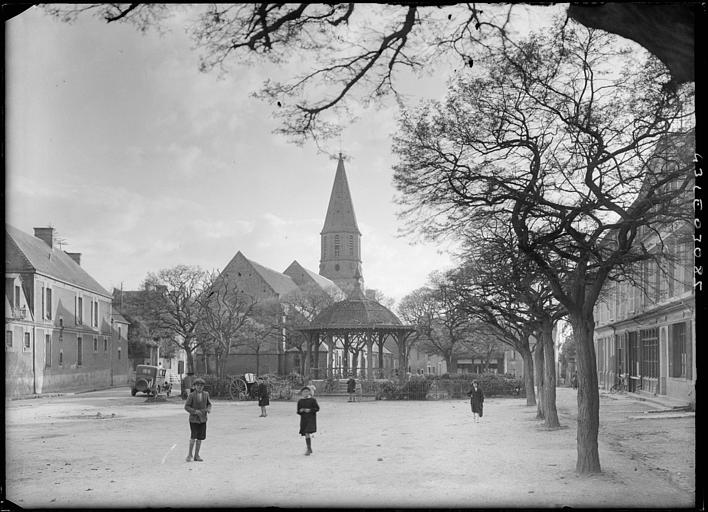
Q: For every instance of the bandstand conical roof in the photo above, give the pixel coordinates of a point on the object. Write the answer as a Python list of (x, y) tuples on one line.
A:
[(357, 313)]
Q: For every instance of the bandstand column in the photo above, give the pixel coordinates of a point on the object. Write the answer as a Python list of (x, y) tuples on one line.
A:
[(308, 356), (381, 337), (330, 355), (369, 357), (317, 354)]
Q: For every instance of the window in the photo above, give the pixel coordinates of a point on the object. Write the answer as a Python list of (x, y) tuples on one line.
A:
[(336, 246), (678, 354), (48, 350), (61, 357), (80, 311), (94, 314), (17, 297), (95, 344), (79, 351), (650, 352), (688, 264), (28, 342), (8, 339), (351, 245), (119, 353), (49, 304), (120, 335), (105, 344), (43, 301)]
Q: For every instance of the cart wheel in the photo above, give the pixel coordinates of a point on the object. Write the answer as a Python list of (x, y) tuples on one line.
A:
[(238, 389)]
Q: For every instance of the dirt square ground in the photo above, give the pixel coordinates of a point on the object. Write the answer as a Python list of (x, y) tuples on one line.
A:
[(107, 449)]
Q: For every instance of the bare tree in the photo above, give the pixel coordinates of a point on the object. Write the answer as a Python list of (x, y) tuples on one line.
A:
[(173, 298), (262, 328), (443, 327), (224, 310), (355, 52), (575, 151)]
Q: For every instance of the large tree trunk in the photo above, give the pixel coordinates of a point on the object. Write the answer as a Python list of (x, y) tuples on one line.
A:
[(549, 376), (527, 357), (538, 375), (451, 363), (190, 361), (588, 395)]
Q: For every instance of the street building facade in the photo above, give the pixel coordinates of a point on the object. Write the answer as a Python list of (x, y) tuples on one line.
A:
[(645, 331), (61, 331)]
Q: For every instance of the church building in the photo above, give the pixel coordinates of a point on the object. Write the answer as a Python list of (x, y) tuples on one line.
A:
[(339, 274), (340, 238)]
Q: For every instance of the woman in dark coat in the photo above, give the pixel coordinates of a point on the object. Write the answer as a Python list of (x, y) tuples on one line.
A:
[(263, 396), (476, 400), (307, 408)]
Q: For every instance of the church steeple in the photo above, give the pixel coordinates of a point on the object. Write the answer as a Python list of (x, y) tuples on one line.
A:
[(340, 237)]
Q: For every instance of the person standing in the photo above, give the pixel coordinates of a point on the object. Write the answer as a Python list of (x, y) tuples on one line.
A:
[(351, 388), (263, 396), (476, 400), (198, 406), (307, 408)]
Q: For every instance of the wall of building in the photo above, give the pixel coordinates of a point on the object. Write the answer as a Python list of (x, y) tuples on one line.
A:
[(53, 348), (645, 330)]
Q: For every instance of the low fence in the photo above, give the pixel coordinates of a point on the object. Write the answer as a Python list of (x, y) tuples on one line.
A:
[(420, 387)]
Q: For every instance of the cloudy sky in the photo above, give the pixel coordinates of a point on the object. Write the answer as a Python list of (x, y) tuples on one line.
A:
[(141, 162)]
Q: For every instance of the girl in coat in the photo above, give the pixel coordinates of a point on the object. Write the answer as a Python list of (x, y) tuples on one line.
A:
[(307, 408), (263, 396), (476, 400)]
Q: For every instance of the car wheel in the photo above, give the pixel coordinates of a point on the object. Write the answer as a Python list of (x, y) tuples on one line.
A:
[(133, 391)]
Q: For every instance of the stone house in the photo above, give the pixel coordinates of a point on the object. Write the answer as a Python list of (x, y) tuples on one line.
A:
[(61, 332)]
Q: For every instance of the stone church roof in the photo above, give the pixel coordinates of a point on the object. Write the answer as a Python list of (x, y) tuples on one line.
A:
[(303, 277), (340, 212)]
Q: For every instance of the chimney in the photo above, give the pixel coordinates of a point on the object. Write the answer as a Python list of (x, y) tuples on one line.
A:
[(76, 256), (45, 234)]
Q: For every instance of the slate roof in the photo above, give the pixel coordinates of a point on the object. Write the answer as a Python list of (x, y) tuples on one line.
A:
[(117, 317), (340, 212), (357, 312), (301, 275), (27, 253), (279, 283)]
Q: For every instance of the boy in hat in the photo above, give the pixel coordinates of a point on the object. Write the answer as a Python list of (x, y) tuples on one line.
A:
[(307, 408), (198, 406)]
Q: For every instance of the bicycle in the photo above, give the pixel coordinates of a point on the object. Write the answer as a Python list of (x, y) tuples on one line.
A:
[(620, 386)]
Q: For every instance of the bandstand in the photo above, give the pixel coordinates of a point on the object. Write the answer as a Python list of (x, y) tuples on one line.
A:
[(361, 323)]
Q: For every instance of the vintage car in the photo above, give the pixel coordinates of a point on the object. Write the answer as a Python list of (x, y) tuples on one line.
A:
[(150, 380)]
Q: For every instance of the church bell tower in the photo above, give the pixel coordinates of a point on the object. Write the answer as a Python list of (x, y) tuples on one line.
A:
[(340, 238)]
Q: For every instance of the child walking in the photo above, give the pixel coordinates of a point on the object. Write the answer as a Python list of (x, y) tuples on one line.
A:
[(198, 406), (263, 396), (476, 400), (307, 408)]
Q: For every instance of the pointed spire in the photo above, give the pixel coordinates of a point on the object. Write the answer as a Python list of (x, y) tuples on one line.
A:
[(357, 292), (340, 212)]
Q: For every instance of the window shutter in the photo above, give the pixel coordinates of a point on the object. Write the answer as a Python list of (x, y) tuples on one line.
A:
[(672, 337), (689, 351)]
